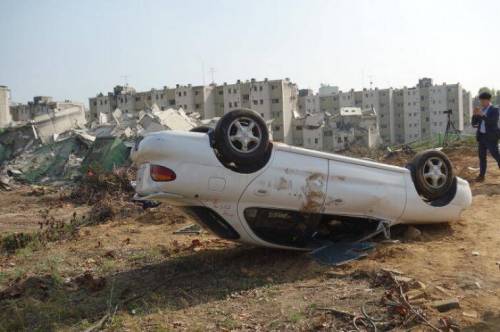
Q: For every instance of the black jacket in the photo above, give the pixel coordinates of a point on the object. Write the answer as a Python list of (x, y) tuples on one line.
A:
[(490, 123)]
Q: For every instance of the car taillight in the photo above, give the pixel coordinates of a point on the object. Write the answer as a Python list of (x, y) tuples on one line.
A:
[(161, 174)]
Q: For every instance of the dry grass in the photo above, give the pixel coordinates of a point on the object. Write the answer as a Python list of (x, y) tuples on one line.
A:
[(129, 260)]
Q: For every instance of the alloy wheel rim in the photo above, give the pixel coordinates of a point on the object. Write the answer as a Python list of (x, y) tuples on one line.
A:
[(435, 172), (244, 135)]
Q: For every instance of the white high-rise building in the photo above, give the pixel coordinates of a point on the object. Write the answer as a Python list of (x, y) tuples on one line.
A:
[(5, 116)]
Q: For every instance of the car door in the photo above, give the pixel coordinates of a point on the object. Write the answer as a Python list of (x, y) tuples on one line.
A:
[(362, 188), (293, 182)]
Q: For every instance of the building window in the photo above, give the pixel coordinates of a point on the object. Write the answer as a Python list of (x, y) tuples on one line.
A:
[(95, 103), (234, 90), (149, 98), (298, 128), (260, 88), (254, 88), (137, 98), (180, 94), (276, 101), (230, 104), (221, 92), (315, 141), (156, 97), (272, 87), (246, 97), (262, 101), (196, 93), (171, 102), (255, 102), (235, 104), (277, 128), (197, 106)]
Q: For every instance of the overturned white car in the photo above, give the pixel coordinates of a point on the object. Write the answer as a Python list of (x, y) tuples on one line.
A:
[(243, 187)]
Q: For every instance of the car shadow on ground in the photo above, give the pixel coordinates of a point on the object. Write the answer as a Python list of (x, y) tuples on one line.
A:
[(428, 233), (177, 283)]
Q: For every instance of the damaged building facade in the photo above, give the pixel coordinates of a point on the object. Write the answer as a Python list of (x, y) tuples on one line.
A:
[(408, 114), (49, 117), (274, 100), (323, 131), (402, 115)]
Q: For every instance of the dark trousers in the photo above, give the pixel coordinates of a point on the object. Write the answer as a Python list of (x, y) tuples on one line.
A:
[(487, 144)]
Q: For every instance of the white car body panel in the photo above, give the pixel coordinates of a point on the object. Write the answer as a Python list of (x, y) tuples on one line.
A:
[(293, 179)]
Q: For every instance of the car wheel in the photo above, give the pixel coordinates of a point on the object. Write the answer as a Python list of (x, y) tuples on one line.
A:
[(200, 129), (432, 174), (241, 137)]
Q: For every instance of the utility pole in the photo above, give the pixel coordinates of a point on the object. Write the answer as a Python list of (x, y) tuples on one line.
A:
[(371, 81), (125, 79), (212, 73), (203, 71)]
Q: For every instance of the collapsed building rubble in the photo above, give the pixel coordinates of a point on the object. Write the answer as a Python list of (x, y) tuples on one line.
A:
[(32, 153)]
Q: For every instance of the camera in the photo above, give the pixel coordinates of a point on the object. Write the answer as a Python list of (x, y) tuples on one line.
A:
[(448, 112)]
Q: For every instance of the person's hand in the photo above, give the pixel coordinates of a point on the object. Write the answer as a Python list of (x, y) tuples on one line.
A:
[(477, 111)]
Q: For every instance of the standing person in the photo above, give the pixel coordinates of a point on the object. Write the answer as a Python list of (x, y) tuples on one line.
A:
[(485, 119)]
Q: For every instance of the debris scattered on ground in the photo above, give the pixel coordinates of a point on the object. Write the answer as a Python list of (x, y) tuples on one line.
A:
[(445, 305), (470, 314), (341, 253), (190, 229)]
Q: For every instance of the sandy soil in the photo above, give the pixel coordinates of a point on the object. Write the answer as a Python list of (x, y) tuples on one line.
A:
[(149, 279)]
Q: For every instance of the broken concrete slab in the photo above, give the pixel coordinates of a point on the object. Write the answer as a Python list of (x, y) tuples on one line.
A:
[(470, 314), (445, 305), (55, 161)]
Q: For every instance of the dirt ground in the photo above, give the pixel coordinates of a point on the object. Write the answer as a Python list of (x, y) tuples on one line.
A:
[(131, 273)]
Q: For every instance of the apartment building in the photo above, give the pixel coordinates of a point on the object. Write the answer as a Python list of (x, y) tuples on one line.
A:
[(408, 114), (333, 103), (308, 102), (5, 112), (327, 90), (325, 132), (385, 114), (274, 100)]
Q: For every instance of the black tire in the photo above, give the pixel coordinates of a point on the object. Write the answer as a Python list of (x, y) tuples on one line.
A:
[(248, 146), (432, 174), (201, 129)]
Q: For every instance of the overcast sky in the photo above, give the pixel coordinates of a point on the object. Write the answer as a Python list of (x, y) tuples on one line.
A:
[(75, 49)]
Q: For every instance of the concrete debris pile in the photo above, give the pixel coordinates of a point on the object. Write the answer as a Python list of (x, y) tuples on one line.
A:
[(126, 125), (26, 157)]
